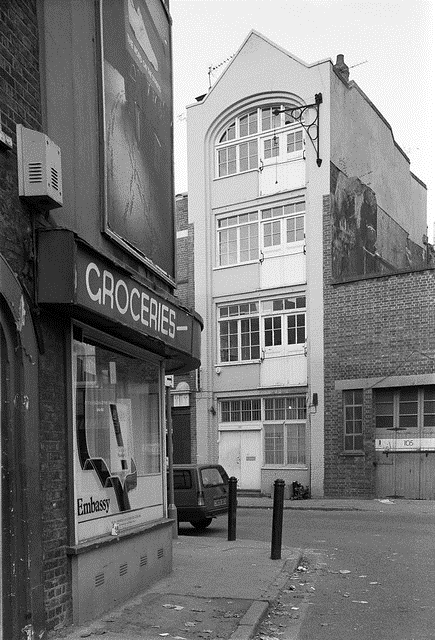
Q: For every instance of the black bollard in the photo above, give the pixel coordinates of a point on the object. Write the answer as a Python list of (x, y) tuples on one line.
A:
[(278, 508), (232, 508)]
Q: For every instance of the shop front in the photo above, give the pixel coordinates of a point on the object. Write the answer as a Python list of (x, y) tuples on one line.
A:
[(124, 337)]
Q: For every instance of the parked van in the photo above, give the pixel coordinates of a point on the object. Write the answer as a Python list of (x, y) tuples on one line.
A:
[(200, 493)]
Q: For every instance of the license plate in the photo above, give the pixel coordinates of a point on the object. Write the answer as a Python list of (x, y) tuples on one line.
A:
[(219, 502)]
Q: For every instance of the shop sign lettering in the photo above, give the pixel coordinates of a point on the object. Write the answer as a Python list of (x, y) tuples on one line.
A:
[(86, 507), (111, 292)]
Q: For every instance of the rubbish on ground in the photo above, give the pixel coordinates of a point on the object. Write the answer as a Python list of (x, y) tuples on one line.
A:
[(362, 576), (360, 601), (176, 607), (373, 582), (189, 624), (385, 501), (198, 610), (301, 568), (343, 571)]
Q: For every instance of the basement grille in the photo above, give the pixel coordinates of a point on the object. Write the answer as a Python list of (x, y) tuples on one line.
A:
[(160, 553), (143, 561), (123, 569)]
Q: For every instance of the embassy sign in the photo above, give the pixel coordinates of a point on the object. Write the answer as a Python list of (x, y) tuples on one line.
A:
[(72, 275)]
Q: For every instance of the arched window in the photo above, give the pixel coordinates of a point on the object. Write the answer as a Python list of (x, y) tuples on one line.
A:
[(257, 137)]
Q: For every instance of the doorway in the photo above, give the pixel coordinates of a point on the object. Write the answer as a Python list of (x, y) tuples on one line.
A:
[(240, 456)]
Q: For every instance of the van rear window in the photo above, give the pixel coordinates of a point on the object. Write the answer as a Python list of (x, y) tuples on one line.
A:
[(182, 480), (211, 477)]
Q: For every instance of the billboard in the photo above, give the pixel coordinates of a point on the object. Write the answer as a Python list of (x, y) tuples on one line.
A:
[(138, 155)]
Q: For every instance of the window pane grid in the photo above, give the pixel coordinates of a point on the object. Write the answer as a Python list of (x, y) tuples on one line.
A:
[(353, 424), (245, 410)]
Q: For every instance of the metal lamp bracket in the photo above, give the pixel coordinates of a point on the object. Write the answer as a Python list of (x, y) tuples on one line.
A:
[(300, 114)]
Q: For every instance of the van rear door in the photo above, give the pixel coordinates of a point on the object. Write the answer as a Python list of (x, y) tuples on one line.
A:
[(214, 484)]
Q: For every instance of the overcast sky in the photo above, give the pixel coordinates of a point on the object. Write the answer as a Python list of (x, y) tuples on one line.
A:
[(388, 43)]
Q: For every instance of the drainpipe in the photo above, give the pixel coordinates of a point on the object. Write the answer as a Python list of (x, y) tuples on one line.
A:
[(172, 509)]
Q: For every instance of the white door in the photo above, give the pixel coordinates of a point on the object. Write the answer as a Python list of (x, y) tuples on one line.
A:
[(229, 453), (240, 456)]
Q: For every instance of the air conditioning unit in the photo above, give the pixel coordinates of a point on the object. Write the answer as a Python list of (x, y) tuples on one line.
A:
[(39, 168)]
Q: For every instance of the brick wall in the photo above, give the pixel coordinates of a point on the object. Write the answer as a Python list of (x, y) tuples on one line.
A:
[(374, 327), (20, 103), (54, 473), (186, 294)]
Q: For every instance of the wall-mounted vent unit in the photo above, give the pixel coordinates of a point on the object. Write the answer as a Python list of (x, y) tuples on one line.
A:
[(39, 168)]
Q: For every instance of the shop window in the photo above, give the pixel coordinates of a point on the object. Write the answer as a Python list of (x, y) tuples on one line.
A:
[(118, 434)]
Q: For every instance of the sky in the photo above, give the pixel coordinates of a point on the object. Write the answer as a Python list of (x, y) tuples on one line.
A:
[(388, 45)]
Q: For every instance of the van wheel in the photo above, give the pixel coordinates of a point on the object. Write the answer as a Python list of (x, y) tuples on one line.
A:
[(200, 525)]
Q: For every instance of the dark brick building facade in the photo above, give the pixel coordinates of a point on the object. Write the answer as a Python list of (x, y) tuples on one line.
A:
[(58, 555), (379, 334), (185, 386)]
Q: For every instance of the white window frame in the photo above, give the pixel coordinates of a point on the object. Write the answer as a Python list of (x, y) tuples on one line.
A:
[(236, 225), (285, 415), (274, 222), (231, 341), (249, 128), (275, 323)]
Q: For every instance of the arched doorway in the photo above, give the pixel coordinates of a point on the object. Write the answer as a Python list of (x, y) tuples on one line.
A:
[(21, 589)]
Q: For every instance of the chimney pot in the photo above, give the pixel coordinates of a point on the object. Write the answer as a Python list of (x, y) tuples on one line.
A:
[(341, 67)]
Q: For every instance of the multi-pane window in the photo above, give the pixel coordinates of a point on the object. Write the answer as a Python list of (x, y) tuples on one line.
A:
[(271, 147), (353, 420), (295, 229), (284, 444), (245, 410), (238, 157), (283, 225), (248, 124), (285, 408), (429, 407), (294, 141), (289, 313), (238, 236), (239, 332), (283, 322), (248, 155), (238, 239), (296, 328), (404, 408), (274, 444), (272, 331)]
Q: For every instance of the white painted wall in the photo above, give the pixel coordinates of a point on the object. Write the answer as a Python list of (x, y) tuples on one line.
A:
[(260, 73)]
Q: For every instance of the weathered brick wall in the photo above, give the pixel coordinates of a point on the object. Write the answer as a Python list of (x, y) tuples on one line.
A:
[(54, 473), (374, 327), (186, 294), (20, 103)]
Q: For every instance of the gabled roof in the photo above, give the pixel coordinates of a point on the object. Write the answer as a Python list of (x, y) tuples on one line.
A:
[(252, 33)]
